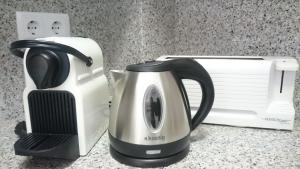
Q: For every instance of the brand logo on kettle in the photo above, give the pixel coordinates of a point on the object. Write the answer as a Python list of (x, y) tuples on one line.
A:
[(150, 138)]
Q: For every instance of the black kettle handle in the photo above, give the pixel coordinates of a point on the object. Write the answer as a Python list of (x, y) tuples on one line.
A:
[(15, 48), (190, 69)]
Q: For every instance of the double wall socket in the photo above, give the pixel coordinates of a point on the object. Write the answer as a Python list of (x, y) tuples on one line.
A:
[(32, 25)]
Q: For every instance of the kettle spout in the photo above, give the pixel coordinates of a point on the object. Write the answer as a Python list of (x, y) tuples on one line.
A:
[(117, 75)]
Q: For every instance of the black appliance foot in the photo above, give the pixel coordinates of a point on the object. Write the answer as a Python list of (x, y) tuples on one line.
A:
[(150, 162)]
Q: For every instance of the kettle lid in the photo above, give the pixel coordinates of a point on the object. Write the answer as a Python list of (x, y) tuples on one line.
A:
[(150, 66)]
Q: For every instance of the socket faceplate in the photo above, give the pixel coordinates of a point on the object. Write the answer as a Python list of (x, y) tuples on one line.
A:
[(32, 25)]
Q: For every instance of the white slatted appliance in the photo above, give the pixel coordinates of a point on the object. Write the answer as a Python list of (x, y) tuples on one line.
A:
[(250, 91)]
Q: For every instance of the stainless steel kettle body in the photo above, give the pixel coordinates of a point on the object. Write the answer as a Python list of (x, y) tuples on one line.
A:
[(150, 120)]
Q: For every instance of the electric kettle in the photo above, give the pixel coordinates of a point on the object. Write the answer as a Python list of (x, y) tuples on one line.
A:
[(150, 120)]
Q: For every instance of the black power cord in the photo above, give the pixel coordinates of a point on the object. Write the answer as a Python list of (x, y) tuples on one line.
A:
[(20, 129)]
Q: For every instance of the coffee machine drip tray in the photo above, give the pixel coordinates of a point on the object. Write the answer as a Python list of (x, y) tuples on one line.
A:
[(48, 145), (53, 126)]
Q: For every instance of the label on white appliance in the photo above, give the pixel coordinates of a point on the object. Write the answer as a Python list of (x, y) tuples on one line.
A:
[(283, 121)]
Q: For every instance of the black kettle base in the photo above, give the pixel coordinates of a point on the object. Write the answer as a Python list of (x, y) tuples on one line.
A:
[(152, 162)]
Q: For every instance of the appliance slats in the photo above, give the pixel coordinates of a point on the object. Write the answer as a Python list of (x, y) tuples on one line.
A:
[(52, 112), (233, 91)]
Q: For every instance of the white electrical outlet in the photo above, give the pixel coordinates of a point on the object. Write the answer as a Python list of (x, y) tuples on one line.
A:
[(32, 25)]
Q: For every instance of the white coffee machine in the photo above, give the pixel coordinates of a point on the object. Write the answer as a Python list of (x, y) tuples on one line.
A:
[(65, 98)]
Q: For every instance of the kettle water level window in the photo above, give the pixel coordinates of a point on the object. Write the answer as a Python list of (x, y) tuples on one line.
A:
[(153, 107)]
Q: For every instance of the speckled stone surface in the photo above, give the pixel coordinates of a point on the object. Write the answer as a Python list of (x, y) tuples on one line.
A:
[(132, 31), (158, 21), (212, 146)]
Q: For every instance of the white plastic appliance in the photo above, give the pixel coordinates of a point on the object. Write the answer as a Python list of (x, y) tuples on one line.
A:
[(65, 98), (250, 91)]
